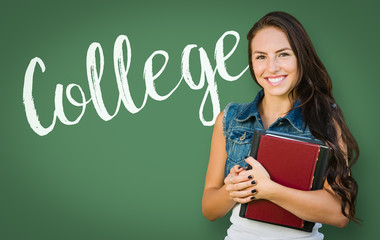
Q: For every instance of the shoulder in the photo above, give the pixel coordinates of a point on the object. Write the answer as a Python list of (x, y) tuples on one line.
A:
[(234, 109), (231, 112)]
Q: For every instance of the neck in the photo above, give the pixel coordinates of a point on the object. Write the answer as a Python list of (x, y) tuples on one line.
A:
[(273, 107)]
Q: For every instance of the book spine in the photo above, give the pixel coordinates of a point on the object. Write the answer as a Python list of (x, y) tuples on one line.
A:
[(321, 167), (253, 153), (315, 167)]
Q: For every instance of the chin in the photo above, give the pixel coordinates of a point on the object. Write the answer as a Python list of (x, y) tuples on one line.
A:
[(277, 93)]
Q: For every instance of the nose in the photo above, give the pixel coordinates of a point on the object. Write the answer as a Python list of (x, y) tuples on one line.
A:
[(272, 65)]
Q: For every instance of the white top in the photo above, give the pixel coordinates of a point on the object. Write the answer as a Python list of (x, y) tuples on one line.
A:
[(247, 229)]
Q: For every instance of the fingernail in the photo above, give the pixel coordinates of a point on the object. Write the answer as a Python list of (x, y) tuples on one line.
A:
[(250, 177), (253, 182), (252, 197), (253, 191)]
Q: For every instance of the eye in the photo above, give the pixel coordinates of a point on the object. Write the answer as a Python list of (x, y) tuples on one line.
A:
[(260, 57), (284, 54)]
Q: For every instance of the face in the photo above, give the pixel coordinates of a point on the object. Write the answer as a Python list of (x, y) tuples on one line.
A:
[(274, 63)]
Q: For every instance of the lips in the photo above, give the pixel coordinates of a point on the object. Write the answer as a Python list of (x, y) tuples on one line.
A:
[(275, 80)]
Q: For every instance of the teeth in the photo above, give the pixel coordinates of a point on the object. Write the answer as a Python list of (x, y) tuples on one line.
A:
[(275, 80)]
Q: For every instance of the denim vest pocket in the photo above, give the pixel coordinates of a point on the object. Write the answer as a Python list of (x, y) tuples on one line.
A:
[(238, 146)]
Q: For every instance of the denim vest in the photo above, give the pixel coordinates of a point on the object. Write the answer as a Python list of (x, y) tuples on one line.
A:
[(240, 122)]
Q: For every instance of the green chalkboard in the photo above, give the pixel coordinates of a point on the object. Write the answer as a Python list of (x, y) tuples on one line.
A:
[(86, 156)]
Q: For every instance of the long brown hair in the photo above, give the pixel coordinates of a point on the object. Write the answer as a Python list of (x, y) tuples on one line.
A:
[(323, 116)]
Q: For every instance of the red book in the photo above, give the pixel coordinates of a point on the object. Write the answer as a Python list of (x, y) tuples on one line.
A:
[(292, 161)]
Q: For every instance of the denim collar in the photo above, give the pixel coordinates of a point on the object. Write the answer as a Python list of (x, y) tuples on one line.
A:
[(294, 116)]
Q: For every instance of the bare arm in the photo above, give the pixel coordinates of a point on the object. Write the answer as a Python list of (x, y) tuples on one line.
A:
[(216, 201), (316, 206)]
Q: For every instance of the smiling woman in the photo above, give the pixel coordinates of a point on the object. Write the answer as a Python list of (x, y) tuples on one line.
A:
[(296, 98), (275, 67)]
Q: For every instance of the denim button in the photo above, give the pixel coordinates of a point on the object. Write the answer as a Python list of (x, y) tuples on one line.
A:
[(243, 136)]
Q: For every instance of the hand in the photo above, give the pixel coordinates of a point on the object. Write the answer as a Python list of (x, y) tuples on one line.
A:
[(264, 184), (239, 185), (247, 185)]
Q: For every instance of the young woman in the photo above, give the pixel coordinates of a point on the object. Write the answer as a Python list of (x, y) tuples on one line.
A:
[(296, 97)]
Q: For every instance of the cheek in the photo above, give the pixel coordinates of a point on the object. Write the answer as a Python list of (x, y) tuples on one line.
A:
[(291, 67), (258, 68)]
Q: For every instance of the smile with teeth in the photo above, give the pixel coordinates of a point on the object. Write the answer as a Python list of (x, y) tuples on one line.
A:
[(275, 80)]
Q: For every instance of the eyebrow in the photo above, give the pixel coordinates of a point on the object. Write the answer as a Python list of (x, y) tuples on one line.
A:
[(282, 49)]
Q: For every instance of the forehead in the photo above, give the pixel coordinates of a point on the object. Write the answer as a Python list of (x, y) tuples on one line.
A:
[(269, 39)]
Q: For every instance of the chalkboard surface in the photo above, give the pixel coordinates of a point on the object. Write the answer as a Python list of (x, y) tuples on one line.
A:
[(107, 110)]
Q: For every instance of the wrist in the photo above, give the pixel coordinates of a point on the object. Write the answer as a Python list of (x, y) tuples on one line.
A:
[(273, 190)]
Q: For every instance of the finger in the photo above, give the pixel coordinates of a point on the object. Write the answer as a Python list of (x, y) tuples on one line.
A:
[(244, 176), (250, 160), (248, 174), (231, 179), (236, 169), (240, 186), (240, 169), (244, 193), (244, 200), (228, 179), (257, 165)]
